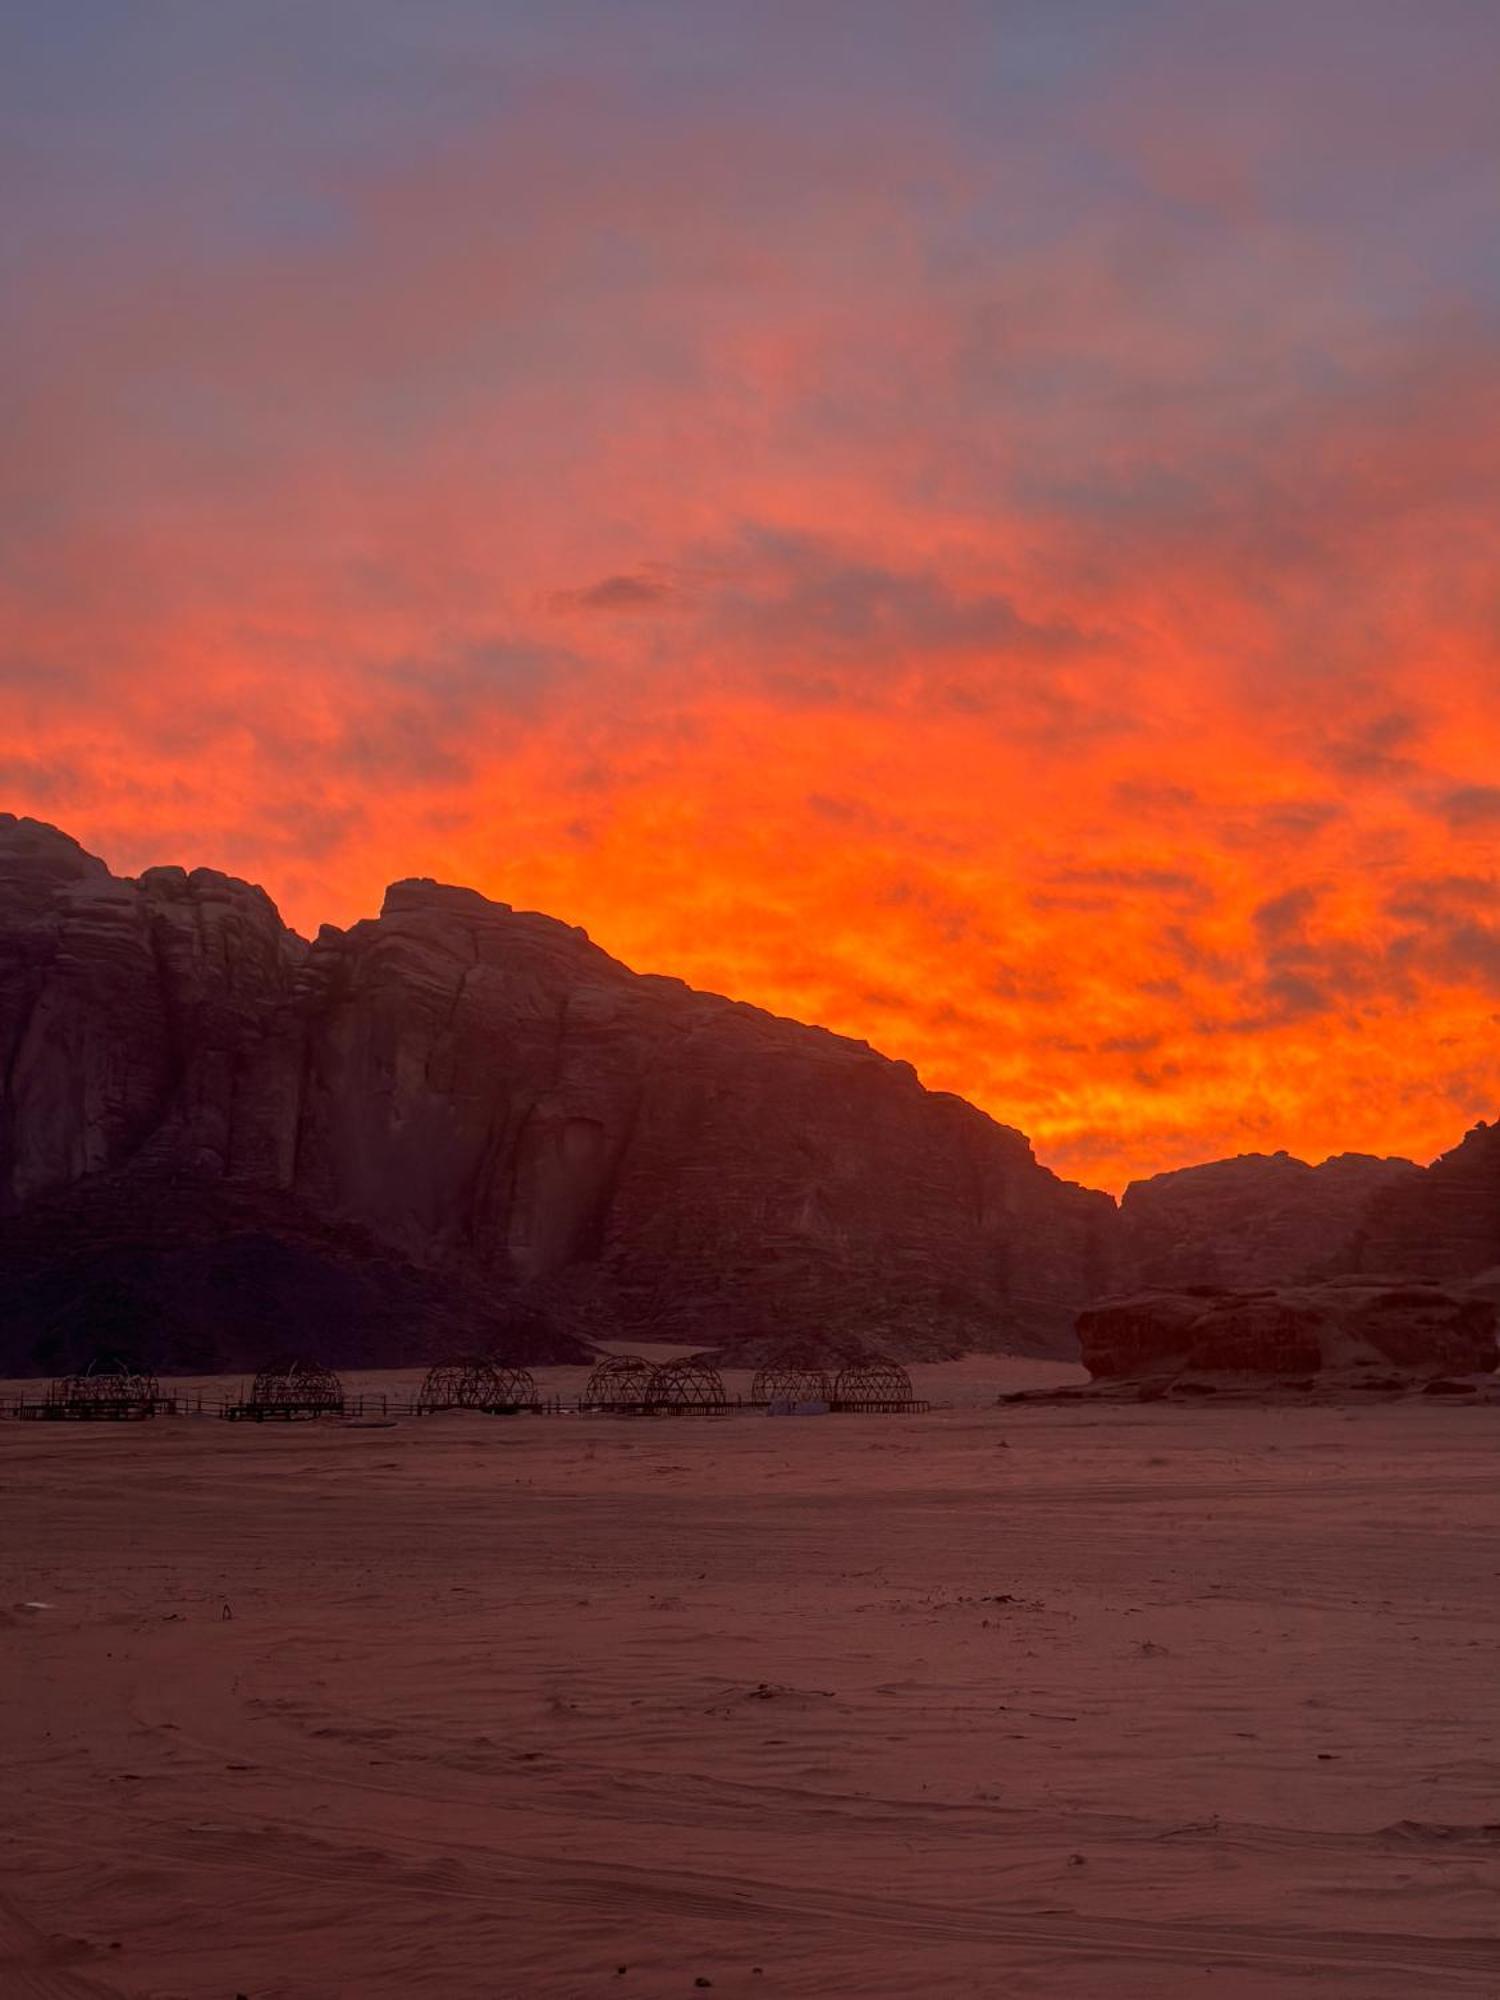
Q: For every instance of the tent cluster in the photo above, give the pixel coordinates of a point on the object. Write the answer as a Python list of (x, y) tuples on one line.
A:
[(477, 1384), (624, 1384), (620, 1384), (863, 1385)]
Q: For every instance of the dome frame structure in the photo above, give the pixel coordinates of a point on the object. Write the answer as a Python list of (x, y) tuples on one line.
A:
[(477, 1383), (620, 1385), (877, 1385), (292, 1390), (689, 1384), (105, 1393), (789, 1382)]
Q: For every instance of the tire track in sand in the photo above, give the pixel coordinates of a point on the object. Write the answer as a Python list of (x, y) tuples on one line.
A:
[(24, 1972), (521, 1879)]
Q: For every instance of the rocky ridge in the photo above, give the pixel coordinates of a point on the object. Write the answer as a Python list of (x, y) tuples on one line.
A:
[(1387, 1330), (1443, 1223), (1259, 1219), (496, 1113)]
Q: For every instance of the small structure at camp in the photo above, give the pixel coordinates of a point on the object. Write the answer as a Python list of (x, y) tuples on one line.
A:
[(477, 1384), (786, 1383), (518, 1390), (689, 1384), (621, 1384), (876, 1385), (294, 1389), (103, 1393)]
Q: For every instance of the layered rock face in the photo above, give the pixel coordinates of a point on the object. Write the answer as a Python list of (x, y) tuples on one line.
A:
[(1261, 1219), (1444, 1223), (499, 1111), (1344, 1327)]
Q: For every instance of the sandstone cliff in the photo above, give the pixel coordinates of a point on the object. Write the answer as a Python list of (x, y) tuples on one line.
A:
[(1444, 1223), (1348, 1327), (1261, 1219), (488, 1109)]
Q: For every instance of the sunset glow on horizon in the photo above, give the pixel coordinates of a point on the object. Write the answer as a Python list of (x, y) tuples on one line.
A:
[(970, 525)]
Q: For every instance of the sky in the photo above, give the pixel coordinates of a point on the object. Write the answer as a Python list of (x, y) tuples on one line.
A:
[(972, 524)]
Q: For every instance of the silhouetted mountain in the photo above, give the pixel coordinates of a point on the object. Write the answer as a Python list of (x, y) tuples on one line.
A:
[(218, 1141), (1261, 1219), (1442, 1223)]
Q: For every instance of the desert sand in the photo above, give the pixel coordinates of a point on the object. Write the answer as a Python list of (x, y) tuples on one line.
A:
[(994, 1701)]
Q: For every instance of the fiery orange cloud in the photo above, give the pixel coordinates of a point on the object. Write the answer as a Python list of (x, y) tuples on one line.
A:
[(1037, 616)]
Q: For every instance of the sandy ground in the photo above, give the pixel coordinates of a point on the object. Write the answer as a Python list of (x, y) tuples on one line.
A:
[(1026, 1701)]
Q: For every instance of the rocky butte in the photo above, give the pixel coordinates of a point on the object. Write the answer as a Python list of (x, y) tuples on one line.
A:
[(1364, 1331), (459, 1124), (1261, 1219), (1443, 1223)]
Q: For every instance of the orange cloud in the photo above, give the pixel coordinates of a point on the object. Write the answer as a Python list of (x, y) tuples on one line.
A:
[(1064, 655)]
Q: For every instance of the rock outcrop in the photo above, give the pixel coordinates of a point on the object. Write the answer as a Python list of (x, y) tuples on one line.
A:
[(1444, 1222), (1261, 1219), (1342, 1328), (486, 1107)]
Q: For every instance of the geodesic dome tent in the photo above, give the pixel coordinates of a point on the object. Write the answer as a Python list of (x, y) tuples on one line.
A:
[(619, 1382), (476, 1385), (297, 1389), (518, 1389), (873, 1385), (450, 1386), (691, 1384), (102, 1392), (786, 1383)]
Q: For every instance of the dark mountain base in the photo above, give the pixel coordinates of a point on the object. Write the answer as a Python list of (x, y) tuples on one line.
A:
[(185, 1279)]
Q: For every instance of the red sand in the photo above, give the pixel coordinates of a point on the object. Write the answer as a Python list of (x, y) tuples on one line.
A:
[(1030, 1701)]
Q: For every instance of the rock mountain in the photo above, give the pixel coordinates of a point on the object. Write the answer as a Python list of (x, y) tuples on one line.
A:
[(1269, 1220), (1443, 1223), (1261, 1219), (458, 1124)]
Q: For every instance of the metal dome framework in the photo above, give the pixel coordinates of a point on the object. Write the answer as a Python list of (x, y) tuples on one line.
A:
[(690, 1384), (294, 1389), (620, 1383), (476, 1384), (108, 1393), (786, 1383), (874, 1385), (518, 1388)]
